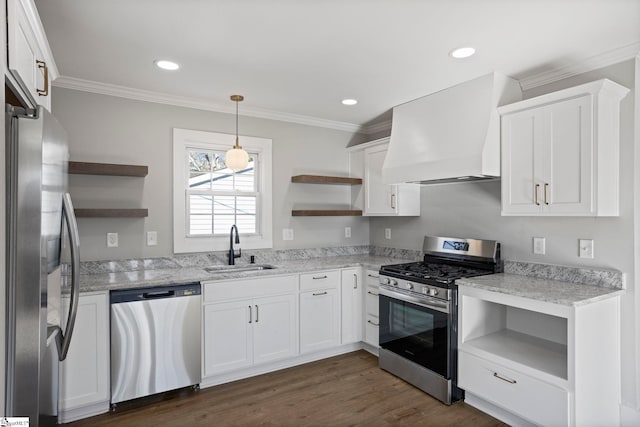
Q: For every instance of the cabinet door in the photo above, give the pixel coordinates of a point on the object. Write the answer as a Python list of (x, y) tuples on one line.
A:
[(522, 134), (84, 374), (351, 305), (319, 320), (379, 198), (568, 186), (227, 332), (274, 328)]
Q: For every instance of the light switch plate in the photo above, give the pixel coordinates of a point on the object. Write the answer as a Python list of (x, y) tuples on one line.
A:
[(287, 234), (387, 233), (347, 232), (112, 240), (585, 248), (152, 238), (539, 245)]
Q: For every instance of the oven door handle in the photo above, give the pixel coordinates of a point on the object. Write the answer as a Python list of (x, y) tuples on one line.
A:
[(433, 304)]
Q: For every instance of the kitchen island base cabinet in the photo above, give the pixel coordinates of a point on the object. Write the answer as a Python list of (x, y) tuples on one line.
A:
[(84, 374), (549, 364), (241, 333)]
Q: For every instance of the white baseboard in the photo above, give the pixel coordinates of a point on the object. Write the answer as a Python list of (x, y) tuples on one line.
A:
[(495, 411), (281, 364), (629, 417), (74, 414)]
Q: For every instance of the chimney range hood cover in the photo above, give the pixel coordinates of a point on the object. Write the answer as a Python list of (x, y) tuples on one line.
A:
[(450, 136)]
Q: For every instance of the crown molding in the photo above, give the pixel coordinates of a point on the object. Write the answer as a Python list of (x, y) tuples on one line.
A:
[(199, 103), (605, 59)]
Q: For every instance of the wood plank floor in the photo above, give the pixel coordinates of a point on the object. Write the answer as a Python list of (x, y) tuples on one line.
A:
[(347, 390)]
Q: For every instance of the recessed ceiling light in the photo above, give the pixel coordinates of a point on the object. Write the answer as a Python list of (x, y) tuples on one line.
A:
[(462, 52), (349, 101), (166, 65)]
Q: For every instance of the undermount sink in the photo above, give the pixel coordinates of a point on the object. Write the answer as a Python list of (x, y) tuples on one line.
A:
[(237, 268)]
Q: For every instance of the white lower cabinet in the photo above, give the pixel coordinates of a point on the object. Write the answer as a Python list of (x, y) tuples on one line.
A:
[(543, 362), (372, 321), (319, 311), (351, 305), (248, 331), (84, 374)]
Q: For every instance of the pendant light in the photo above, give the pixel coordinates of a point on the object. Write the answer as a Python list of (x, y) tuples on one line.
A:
[(236, 158)]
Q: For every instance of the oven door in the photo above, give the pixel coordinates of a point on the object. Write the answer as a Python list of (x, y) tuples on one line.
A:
[(417, 329)]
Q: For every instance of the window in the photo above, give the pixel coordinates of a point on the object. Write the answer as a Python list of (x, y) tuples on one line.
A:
[(209, 198)]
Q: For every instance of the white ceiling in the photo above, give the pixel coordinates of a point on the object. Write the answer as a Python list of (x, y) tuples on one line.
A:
[(302, 57)]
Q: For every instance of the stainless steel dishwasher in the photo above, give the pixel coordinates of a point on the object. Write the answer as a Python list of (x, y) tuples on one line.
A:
[(155, 340)]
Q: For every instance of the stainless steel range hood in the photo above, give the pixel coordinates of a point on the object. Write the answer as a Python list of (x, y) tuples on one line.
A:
[(450, 136)]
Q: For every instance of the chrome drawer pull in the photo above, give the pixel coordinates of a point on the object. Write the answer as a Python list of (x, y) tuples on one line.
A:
[(374, 324), (320, 293), (372, 275), (495, 374), (319, 277), (372, 293)]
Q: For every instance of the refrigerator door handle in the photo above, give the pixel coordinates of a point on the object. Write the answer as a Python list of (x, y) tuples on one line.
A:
[(74, 238)]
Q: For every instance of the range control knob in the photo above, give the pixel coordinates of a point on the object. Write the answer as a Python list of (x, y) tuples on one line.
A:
[(409, 285), (433, 292), (384, 280), (394, 282)]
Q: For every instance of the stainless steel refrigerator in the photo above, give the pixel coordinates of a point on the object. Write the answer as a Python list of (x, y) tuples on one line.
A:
[(41, 231)]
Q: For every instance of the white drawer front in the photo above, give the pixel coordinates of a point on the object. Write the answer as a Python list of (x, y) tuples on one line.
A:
[(372, 278), (249, 288), (371, 330), (319, 280), (372, 301), (525, 396)]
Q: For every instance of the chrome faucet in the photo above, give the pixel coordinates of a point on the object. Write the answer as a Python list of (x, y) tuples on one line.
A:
[(232, 255)]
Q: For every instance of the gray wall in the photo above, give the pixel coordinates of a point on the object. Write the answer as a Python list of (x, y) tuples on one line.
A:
[(473, 210), (116, 130)]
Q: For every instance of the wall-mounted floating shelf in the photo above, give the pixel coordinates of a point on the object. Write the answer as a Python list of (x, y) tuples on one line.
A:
[(87, 168), (111, 213), (325, 212), (322, 179)]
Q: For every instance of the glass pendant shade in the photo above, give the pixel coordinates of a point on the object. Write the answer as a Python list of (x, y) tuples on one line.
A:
[(237, 159)]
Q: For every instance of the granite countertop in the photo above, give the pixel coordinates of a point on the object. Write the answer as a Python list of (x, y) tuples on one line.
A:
[(540, 289), (163, 276)]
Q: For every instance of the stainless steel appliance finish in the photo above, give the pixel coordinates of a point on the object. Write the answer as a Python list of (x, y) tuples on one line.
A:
[(155, 340), (418, 312), (37, 157)]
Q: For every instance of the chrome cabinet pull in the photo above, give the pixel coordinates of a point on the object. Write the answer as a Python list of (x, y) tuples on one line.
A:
[(373, 275), (319, 277), (393, 201), (372, 293), (546, 186), (45, 91), (536, 197), (320, 293), (250, 315), (256, 313), (372, 323), (355, 281), (495, 374)]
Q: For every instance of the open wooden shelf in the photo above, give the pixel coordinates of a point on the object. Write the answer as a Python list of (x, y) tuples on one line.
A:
[(111, 213), (86, 168), (326, 212), (322, 179)]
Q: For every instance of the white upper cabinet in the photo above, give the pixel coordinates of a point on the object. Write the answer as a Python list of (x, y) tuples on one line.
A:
[(376, 197), (29, 57), (560, 152)]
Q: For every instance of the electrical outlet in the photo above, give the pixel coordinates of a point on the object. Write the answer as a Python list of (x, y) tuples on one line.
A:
[(586, 248), (287, 234), (112, 240), (152, 238), (539, 245), (387, 233), (347, 232)]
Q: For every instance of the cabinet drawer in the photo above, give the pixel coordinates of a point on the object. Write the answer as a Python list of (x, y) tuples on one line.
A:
[(320, 280), (371, 330), (523, 395), (372, 300), (372, 278), (248, 288)]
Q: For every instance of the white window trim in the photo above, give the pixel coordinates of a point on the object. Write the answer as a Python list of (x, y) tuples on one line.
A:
[(185, 138)]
